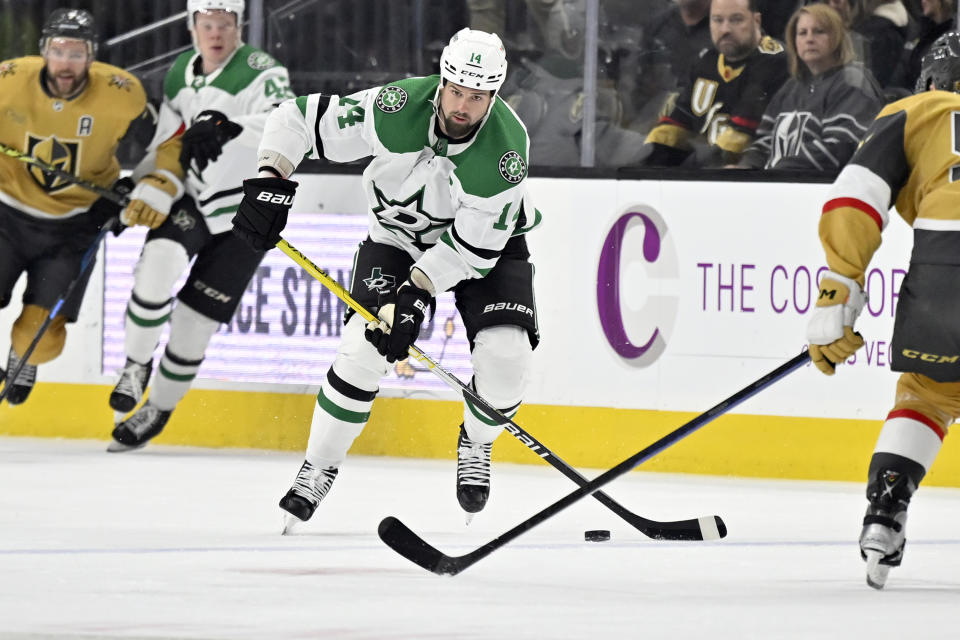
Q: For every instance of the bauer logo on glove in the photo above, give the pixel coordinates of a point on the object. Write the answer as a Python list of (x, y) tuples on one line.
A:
[(275, 198), (262, 214), (392, 338)]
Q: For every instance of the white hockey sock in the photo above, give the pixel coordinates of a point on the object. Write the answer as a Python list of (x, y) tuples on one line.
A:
[(912, 435), (161, 263), (143, 325), (341, 414), (501, 363), (190, 333)]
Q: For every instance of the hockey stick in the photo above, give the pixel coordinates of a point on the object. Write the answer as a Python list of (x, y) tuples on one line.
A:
[(103, 192), (85, 263), (704, 528), (404, 541)]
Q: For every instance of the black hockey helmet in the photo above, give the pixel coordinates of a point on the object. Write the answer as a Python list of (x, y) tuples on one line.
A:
[(69, 23), (940, 66)]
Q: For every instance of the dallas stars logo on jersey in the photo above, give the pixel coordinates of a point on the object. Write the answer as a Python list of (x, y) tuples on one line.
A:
[(61, 154), (512, 167), (407, 218), (391, 99)]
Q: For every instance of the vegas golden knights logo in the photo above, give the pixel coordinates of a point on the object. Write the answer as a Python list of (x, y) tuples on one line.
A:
[(61, 154), (704, 93)]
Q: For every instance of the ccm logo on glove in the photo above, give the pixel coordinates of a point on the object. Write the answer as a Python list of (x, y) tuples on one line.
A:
[(275, 198)]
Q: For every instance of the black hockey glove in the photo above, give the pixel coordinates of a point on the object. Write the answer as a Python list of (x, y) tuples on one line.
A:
[(400, 321), (103, 209), (203, 141), (263, 211)]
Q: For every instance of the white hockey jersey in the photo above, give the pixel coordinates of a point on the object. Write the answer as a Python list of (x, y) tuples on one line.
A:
[(451, 205), (245, 88)]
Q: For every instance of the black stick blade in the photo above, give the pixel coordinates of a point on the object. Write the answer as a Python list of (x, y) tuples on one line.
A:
[(404, 541), (695, 529)]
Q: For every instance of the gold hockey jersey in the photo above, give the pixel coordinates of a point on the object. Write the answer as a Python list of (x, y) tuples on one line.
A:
[(79, 135), (910, 157)]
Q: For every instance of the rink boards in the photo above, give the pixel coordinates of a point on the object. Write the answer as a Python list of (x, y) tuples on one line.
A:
[(656, 300)]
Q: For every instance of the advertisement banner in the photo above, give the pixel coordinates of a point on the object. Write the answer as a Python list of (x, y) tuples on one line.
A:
[(650, 295), (287, 327), (673, 295)]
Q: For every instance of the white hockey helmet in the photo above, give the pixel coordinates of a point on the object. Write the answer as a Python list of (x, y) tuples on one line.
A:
[(474, 59), (233, 6)]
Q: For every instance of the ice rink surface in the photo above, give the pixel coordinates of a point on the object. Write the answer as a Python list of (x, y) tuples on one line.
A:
[(173, 542)]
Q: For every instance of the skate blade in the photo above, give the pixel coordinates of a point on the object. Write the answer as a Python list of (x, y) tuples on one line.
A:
[(119, 447), (290, 523), (118, 416), (876, 573)]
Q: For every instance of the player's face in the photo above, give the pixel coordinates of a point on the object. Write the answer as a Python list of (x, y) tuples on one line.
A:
[(67, 61), (813, 45), (734, 28), (218, 36), (461, 109)]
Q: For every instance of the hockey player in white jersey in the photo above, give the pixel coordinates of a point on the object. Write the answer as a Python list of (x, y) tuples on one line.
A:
[(448, 209), (216, 101)]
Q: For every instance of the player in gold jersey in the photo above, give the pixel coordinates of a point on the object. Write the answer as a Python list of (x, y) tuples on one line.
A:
[(69, 111), (910, 157)]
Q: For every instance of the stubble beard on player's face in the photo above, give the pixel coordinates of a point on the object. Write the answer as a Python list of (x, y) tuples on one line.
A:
[(454, 129), (66, 84)]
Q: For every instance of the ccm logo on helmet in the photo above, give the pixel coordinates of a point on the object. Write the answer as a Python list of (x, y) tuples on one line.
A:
[(274, 198)]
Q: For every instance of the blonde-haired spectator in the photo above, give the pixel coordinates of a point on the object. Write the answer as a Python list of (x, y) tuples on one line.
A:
[(815, 121)]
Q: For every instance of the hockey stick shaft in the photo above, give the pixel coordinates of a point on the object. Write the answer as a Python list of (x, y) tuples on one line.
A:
[(404, 541), (704, 528), (103, 192), (85, 262)]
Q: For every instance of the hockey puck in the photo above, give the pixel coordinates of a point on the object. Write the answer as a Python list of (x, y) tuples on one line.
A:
[(596, 535)]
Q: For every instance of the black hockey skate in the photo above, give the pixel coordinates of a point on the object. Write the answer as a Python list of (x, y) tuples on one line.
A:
[(473, 474), (128, 392), (137, 430), (892, 481), (881, 542), (303, 498), (21, 387)]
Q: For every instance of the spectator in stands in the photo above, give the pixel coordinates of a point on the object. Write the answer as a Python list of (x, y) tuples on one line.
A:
[(681, 32), (817, 119), (776, 14), (883, 25), (846, 10), (558, 28), (727, 91), (549, 101), (939, 16)]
